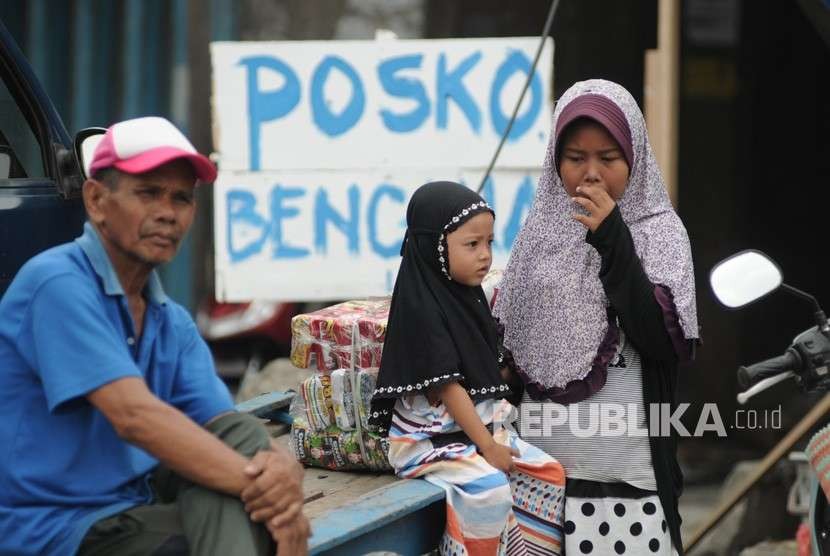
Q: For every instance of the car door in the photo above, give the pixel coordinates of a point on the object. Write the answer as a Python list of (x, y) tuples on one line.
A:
[(40, 183)]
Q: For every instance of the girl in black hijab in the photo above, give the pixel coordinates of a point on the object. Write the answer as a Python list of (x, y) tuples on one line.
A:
[(440, 393)]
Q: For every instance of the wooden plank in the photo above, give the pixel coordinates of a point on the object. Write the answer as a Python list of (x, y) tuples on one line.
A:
[(404, 516), (272, 406), (661, 93), (277, 430), (325, 490), (339, 489), (416, 533), (360, 512)]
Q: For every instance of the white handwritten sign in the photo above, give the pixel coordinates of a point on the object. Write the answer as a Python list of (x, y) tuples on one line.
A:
[(321, 145)]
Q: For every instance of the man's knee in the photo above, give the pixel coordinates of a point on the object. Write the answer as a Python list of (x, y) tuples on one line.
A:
[(176, 545), (244, 433)]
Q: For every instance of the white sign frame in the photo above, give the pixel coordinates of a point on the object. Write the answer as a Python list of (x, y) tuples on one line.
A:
[(284, 224)]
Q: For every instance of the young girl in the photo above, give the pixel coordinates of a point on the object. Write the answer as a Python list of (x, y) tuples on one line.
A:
[(440, 393), (599, 320)]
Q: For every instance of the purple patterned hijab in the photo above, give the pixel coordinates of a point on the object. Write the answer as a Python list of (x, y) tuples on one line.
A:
[(551, 301)]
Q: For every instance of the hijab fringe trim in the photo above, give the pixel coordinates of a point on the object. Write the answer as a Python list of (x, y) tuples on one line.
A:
[(580, 389)]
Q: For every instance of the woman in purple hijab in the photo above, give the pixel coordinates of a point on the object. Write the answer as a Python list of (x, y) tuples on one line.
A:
[(598, 307)]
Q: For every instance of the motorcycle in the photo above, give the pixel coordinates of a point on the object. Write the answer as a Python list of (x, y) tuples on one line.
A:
[(738, 281)]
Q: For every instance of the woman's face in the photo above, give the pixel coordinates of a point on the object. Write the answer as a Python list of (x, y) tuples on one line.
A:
[(592, 157)]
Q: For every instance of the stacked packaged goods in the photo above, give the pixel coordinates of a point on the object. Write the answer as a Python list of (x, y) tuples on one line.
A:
[(325, 337), (344, 344), (330, 427), (331, 411)]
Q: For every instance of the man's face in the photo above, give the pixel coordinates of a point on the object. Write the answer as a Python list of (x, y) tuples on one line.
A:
[(145, 216)]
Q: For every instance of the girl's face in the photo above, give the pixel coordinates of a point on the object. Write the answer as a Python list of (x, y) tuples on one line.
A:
[(592, 157), (470, 249)]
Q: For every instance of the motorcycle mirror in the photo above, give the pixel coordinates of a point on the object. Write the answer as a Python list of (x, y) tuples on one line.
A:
[(744, 277), (85, 142)]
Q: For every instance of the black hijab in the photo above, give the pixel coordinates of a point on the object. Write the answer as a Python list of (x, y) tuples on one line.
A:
[(439, 330)]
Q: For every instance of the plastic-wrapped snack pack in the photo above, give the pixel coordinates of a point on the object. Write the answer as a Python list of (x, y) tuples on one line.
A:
[(330, 338), (338, 400), (315, 393), (342, 399), (339, 450), (365, 384), (330, 428)]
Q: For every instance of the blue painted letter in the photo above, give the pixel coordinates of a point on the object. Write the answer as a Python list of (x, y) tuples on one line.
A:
[(489, 195), (266, 106), (325, 213), (516, 62), (405, 88), (280, 212), (450, 85), (241, 217), (385, 251), (521, 204), (330, 123)]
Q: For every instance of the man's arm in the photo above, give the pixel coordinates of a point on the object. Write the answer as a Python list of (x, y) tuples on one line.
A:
[(113, 384), (142, 419), (270, 483)]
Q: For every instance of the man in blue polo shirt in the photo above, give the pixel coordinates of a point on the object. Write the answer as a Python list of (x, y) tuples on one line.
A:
[(117, 435)]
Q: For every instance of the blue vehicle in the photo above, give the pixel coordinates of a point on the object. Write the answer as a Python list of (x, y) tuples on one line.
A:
[(40, 177)]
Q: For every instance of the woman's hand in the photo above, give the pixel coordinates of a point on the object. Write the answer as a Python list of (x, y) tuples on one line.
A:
[(499, 456), (597, 202)]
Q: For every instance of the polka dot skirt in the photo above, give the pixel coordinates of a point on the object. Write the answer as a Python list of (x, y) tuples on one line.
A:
[(612, 526)]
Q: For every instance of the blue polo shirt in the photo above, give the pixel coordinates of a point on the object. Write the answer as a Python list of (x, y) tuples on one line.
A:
[(66, 330)]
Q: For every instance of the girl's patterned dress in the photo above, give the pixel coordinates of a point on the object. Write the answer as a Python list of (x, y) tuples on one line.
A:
[(488, 512)]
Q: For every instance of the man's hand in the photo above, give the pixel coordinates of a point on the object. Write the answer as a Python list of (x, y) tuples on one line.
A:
[(291, 539), (275, 494), (597, 202)]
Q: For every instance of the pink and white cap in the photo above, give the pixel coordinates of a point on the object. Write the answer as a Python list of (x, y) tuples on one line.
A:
[(143, 144)]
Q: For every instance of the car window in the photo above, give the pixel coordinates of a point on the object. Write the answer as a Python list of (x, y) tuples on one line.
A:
[(20, 152)]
